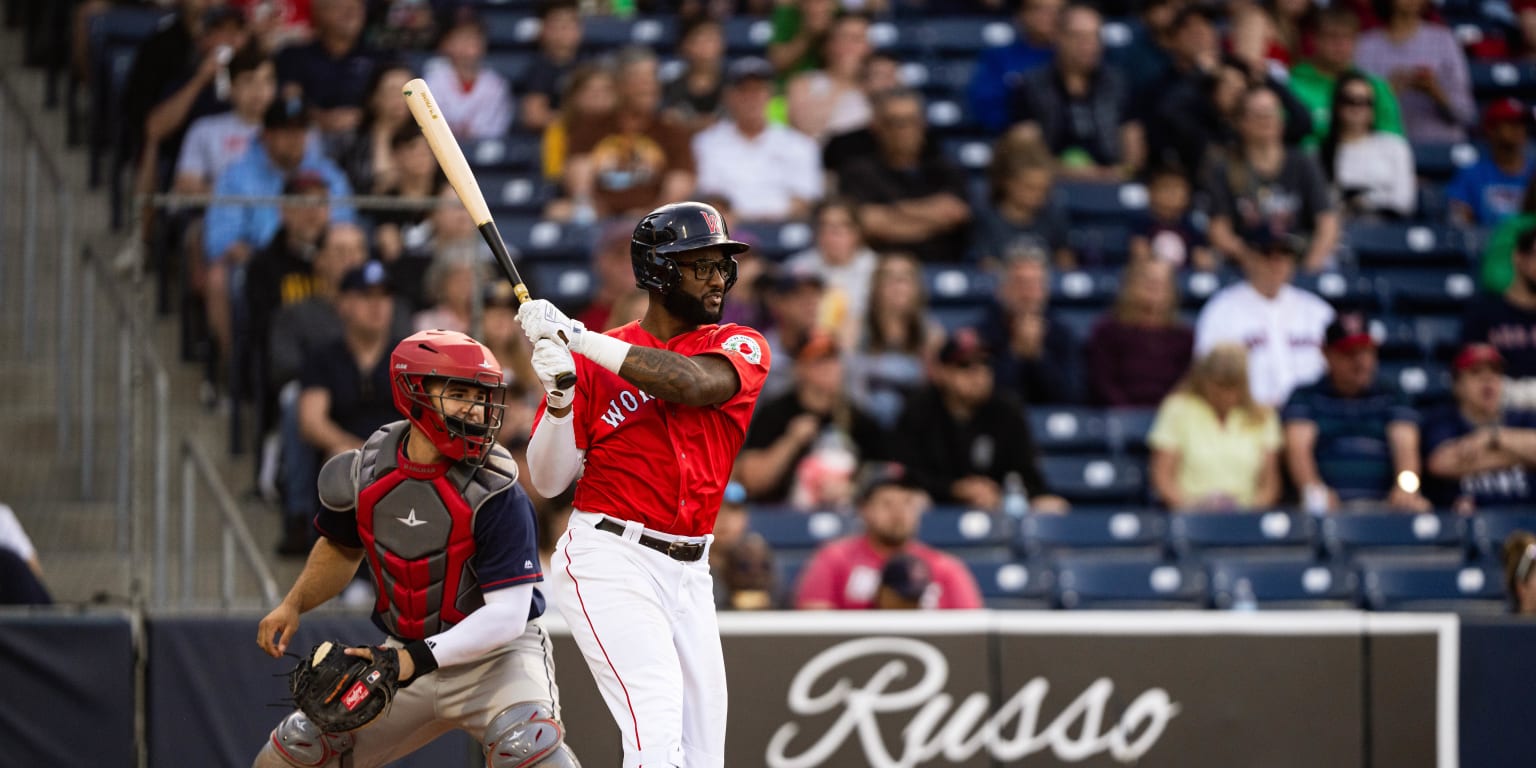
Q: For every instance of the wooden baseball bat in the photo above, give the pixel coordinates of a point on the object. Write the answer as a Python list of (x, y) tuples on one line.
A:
[(451, 157)]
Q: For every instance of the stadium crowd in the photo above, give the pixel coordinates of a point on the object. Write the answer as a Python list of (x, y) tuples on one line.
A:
[(1156, 209)]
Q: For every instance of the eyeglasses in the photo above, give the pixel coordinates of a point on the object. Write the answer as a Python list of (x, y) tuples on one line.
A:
[(1350, 101), (704, 269)]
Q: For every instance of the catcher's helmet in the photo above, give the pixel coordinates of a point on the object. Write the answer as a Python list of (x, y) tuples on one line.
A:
[(677, 228), (454, 357)]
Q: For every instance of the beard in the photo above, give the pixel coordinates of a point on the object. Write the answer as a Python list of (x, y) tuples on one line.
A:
[(889, 539), (691, 309)]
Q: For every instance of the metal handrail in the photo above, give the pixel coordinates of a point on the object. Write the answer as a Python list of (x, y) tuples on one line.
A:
[(235, 535), (172, 200)]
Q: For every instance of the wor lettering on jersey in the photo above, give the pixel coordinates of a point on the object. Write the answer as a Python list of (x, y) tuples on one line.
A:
[(620, 407)]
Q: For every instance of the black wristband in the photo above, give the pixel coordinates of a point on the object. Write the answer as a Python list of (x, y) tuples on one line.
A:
[(422, 658)]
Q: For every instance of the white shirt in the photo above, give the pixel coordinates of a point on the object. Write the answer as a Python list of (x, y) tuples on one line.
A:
[(481, 111), (758, 175), (213, 143), (847, 293), (13, 536), (1382, 164), (1284, 336)]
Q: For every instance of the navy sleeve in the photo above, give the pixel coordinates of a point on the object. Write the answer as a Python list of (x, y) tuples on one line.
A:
[(507, 542), (1403, 410), (339, 527), (1439, 426), (1298, 407)]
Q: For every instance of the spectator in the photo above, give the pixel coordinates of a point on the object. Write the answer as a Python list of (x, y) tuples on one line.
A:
[(214, 142), (848, 574), (1213, 447), (1263, 185), (898, 340), (1020, 212), (447, 226), (559, 45), (846, 263), (333, 72), (882, 72), (802, 446), (830, 100), (21, 575), (632, 161), (474, 99), (1487, 192), (1349, 440), (1498, 263), (962, 440), (693, 99), (234, 232), (1313, 80), (275, 23), (344, 395), (908, 199), (368, 159), (1149, 56), (1525, 17), (767, 172), (613, 276), (793, 301), (1281, 325), (416, 178), (1037, 358), (588, 96), (1509, 323), (1138, 350), (282, 274), (999, 71), (1173, 104), (303, 326), (1168, 232), (1081, 106), (800, 28), (1519, 554), (1269, 34), (1426, 68), (740, 560), (505, 338), (456, 274), (1202, 114), (162, 60), (1372, 170), (1477, 452)]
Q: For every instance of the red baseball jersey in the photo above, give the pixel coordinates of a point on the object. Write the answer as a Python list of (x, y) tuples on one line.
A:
[(664, 464)]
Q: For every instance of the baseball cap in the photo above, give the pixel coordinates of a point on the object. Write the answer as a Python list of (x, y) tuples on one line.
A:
[(1269, 242), (749, 68), (964, 347), (788, 278), (879, 474), (1348, 332), (817, 345), (305, 182), (499, 293), (1505, 110), (907, 576), (285, 113), (369, 276), (1476, 354)]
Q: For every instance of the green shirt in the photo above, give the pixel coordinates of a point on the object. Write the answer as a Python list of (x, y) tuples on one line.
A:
[(1499, 253), (1315, 89)]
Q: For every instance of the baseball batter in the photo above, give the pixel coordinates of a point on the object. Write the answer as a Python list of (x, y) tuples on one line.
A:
[(434, 505), (651, 429)]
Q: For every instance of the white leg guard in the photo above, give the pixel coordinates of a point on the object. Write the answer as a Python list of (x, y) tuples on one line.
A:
[(526, 735), (299, 742)]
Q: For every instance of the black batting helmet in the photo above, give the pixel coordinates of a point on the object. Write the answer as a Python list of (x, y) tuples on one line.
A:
[(677, 228)]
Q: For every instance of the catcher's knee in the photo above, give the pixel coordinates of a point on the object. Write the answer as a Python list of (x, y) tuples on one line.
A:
[(526, 735), (300, 743)]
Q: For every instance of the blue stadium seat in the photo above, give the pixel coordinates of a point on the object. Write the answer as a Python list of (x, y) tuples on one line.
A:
[(1439, 162), (1199, 534), (956, 317), (942, 77), (787, 567), (1426, 291), (1421, 382), (510, 64), (1417, 338), (959, 528), (1128, 429), (1063, 429), (536, 238), (1378, 245), (746, 35), (1344, 290), (510, 28), (1078, 321), (1196, 287), (1095, 479), (948, 117), (511, 194), (958, 284), (968, 152), (1099, 582), (1282, 582), (956, 35), (1397, 339), (1432, 585), (1491, 79), (1085, 288), (1345, 535), (1488, 530), (1107, 245), (1042, 536), (788, 529), (903, 36), (567, 284), (1098, 203), (1009, 584)]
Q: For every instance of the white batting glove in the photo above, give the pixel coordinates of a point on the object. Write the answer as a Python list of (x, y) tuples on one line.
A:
[(550, 359), (542, 320)]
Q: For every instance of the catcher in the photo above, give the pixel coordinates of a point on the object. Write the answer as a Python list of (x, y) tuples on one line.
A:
[(434, 505)]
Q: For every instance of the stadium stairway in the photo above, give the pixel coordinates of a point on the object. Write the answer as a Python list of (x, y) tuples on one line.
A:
[(77, 535)]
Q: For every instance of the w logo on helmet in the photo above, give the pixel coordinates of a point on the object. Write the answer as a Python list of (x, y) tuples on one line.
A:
[(711, 220)]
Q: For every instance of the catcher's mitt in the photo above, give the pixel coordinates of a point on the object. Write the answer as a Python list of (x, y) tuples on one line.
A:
[(340, 692)]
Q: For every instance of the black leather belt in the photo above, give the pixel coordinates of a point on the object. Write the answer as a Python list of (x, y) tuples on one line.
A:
[(684, 551)]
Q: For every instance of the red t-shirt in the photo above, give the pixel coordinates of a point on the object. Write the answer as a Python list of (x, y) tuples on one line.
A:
[(845, 575), (658, 463)]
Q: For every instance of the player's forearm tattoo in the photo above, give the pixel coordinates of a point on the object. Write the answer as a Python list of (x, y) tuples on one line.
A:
[(677, 378)]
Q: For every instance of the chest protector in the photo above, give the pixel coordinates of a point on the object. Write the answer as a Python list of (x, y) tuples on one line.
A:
[(417, 526)]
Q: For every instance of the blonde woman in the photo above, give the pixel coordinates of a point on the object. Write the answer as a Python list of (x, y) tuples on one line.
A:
[(1213, 447)]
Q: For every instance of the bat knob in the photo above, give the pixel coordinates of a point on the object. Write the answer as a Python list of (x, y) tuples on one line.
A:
[(565, 380)]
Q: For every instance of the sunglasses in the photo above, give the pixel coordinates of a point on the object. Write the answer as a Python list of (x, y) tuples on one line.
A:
[(1349, 101)]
